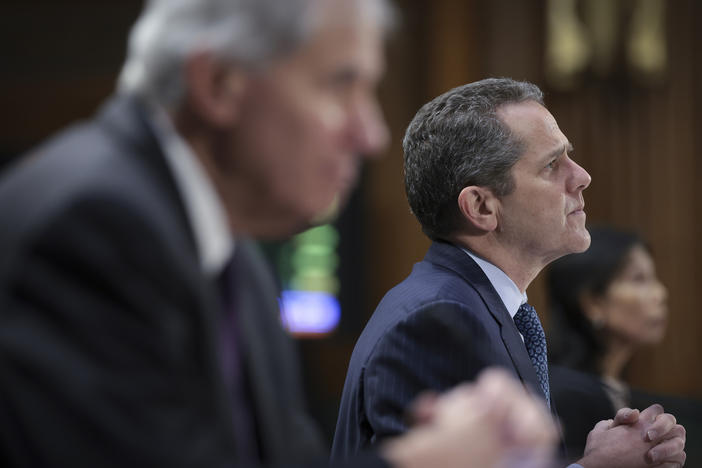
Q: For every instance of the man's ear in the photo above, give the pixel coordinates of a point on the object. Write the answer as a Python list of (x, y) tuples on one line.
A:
[(214, 90), (479, 207)]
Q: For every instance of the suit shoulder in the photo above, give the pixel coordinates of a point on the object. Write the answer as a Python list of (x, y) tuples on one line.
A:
[(430, 283), (429, 296), (83, 165), (84, 155)]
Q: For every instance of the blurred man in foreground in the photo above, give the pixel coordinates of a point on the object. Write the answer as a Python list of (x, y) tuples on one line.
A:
[(138, 325)]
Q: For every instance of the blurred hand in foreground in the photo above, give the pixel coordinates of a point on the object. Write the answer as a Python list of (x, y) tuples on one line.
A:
[(490, 423)]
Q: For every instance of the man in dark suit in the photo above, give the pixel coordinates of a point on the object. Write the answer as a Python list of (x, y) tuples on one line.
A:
[(488, 174), (138, 325)]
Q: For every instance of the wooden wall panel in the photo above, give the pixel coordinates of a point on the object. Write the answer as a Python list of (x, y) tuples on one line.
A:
[(60, 60)]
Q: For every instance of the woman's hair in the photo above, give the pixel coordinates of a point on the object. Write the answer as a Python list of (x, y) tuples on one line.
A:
[(573, 340)]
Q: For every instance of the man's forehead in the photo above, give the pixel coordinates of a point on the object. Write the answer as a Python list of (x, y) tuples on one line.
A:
[(343, 41), (321, 13), (340, 13), (520, 110), (527, 117)]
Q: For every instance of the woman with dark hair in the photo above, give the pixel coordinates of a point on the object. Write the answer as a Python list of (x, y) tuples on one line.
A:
[(605, 304)]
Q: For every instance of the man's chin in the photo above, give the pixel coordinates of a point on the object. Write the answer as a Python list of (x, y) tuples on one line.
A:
[(584, 242), (328, 214), (292, 223), (576, 243), (302, 223)]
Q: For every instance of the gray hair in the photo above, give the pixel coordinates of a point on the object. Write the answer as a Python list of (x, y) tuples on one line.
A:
[(249, 32), (457, 140)]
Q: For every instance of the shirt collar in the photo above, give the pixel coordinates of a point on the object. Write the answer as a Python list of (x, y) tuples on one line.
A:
[(203, 206), (510, 294)]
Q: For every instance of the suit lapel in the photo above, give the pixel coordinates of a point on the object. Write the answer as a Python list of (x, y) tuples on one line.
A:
[(455, 259), (124, 119)]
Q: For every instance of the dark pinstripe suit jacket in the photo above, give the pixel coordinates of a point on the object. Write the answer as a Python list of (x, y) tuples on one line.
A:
[(440, 326)]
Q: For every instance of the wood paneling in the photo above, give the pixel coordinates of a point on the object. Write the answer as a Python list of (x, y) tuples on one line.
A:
[(60, 60)]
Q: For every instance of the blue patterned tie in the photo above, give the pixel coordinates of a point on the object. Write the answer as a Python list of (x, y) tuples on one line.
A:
[(529, 326)]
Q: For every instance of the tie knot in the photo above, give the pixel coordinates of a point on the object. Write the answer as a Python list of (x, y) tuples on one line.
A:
[(526, 318)]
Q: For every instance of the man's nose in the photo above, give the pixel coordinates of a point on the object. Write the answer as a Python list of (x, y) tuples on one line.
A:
[(370, 133), (580, 178), (662, 291)]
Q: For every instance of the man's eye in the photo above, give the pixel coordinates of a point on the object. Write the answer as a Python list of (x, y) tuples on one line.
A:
[(553, 164), (342, 79)]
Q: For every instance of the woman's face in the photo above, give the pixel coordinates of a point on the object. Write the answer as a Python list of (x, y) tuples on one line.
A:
[(634, 307)]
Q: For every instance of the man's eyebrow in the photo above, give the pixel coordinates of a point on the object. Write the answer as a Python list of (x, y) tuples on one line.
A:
[(567, 148)]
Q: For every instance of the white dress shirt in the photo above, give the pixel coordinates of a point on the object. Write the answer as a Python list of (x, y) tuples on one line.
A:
[(203, 207), (510, 294)]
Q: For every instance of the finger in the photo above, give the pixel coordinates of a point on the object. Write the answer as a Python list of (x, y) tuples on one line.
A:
[(677, 431), (532, 423), (499, 391), (625, 416), (422, 410), (525, 420), (497, 381), (650, 413), (677, 463), (461, 397), (602, 425), (457, 393), (671, 465), (669, 451), (660, 427)]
